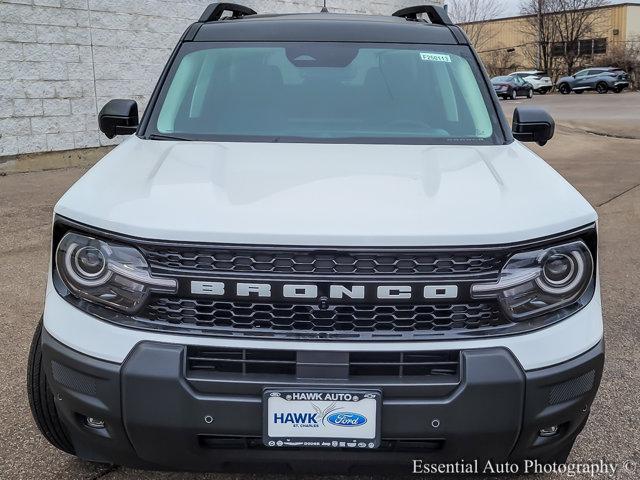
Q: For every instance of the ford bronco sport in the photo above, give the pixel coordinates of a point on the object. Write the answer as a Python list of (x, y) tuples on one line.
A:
[(321, 248)]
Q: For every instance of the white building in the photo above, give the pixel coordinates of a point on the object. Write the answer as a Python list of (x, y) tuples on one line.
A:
[(61, 60)]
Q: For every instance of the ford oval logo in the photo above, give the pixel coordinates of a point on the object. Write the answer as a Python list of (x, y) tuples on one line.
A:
[(346, 419)]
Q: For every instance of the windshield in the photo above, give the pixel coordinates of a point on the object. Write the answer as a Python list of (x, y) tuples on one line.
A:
[(324, 92)]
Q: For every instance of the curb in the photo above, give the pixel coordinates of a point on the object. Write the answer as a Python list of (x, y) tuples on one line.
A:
[(586, 129)]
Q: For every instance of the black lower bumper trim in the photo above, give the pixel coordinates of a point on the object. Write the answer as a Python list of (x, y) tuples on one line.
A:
[(156, 416)]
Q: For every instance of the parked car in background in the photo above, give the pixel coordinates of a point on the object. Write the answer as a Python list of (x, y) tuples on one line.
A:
[(540, 80), (600, 79), (512, 87)]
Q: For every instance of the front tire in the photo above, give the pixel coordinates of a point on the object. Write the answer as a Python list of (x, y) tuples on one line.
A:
[(41, 400), (514, 94), (564, 89), (602, 88), (530, 93)]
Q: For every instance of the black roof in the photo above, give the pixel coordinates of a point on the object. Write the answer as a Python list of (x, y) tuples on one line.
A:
[(325, 27)]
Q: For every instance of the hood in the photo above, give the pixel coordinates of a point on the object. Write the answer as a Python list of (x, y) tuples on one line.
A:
[(325, 195)]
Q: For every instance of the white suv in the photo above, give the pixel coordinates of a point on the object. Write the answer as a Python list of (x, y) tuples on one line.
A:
[(321, 248), (540, 80)]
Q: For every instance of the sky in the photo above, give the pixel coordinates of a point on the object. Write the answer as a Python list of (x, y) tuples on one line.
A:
[(512, 7)]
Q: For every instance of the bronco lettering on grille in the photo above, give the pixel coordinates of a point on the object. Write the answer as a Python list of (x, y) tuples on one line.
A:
[(311, 291)]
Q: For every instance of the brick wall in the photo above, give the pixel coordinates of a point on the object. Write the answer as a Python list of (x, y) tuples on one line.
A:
[(61, 60)]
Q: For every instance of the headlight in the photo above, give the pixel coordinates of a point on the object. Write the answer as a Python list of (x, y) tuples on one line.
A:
[(539, 281), (107, 273)]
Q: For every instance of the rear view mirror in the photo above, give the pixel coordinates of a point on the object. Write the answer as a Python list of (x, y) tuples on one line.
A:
[(532, 124), (119, 117)]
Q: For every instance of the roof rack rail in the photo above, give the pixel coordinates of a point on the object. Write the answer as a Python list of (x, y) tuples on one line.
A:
[(214, 12), (436, 14)]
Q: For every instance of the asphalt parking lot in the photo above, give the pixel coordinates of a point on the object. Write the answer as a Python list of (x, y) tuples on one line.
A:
[(586, 150), (614, 115)]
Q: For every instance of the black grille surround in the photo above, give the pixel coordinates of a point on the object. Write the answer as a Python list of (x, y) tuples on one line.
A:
[(298, 319), (388, 321), (320, 261), (280, 317)]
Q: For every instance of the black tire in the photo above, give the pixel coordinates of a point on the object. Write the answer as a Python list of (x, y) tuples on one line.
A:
[(564, 89), (543, 91), (530, 93), (514, 94), (602, 88), (618, 90), (41, 399)]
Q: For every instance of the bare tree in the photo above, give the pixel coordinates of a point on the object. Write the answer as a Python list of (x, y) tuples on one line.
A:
[(540, 31), (626, 55), (500, 62), (574, 20), (474, 15)]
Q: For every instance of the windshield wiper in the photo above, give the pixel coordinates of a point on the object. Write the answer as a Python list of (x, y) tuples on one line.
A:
[(158, 136)]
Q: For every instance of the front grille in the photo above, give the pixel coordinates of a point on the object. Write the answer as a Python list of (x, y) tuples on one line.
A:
[(353, 321), (370, 320), (244, 361), (325, 262), (404, 364), (360, 364)]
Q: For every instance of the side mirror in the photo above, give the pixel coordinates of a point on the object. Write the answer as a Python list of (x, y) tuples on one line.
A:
[(532, 124), (118, 117)]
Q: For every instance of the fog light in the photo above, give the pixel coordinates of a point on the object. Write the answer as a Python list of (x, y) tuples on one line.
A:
[(94, 422), (549, 431)]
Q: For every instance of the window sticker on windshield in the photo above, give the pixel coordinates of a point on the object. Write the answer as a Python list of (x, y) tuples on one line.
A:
[(435, 57)]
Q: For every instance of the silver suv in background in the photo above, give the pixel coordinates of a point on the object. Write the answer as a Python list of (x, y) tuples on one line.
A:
[(540, 80), (600, 79)]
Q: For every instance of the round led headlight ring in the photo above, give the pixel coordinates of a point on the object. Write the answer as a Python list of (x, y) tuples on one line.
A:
[(89, 262), (86, 265), (562, 273), (558, 270)]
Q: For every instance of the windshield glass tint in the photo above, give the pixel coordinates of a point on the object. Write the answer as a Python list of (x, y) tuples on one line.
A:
[(324, 92)]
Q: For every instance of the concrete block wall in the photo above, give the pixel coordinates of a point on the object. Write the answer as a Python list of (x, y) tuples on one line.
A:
[(62, 60)]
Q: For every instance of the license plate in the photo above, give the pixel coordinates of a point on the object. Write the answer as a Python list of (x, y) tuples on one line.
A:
[(322, 418)]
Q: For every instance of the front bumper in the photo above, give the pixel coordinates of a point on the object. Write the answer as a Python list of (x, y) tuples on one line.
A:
[(154, 411)]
